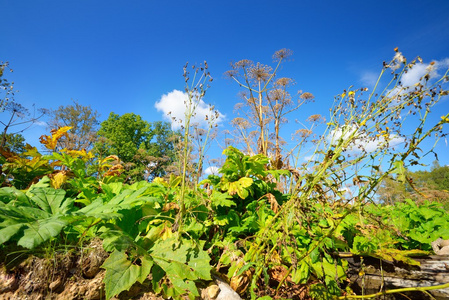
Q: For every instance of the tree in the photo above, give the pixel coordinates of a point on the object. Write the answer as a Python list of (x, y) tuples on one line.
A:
[(15, 142), (144, 148), (84, 123), (391, 191), (430, 185), (433, 184)]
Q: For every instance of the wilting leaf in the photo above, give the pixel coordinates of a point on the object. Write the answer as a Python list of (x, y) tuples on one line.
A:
[(50, 141), (58, 179)]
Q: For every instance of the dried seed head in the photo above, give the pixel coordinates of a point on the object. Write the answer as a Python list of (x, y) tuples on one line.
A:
[(230, 73), (244, 63), (316, 118), (284, 81), (302, 133), (282, 54), (260, 72), (399, 57), (307, 96)]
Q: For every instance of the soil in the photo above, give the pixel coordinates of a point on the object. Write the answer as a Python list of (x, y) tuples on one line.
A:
[(68, 275), (63, 276)]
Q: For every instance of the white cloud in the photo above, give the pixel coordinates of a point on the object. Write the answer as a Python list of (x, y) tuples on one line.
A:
[(173, 106), (212, 170), (361, 141), (309, 157), (40, 123), (372, 145), (343, 132), (369, 79), (415, 75)]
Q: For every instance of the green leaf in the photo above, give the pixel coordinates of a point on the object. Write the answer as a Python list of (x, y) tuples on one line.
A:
[(9, 231), (121, 273), (41, 231), (428, 213), (116, 240), (221, 199), (301, 274), (330, 270), (112, 189), (12, 195), (399, 169), (51, 200), (183, 261)]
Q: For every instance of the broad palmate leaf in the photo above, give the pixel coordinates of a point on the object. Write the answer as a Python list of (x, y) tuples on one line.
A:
[(183, 262), (40, 231), (121, 273)]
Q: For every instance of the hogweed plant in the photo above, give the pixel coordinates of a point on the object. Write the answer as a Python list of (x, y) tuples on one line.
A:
[(266, 102), (195, 90), (171, 234), (364, 142)]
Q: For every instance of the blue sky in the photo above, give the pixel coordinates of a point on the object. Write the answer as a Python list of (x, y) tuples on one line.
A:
[(123, 56)]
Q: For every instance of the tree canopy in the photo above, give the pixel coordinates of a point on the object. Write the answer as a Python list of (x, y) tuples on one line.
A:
[(146, 149), (15, 142), (84, 123), (431, 185)]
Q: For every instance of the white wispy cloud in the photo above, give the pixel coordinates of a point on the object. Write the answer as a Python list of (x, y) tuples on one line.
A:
[(212, 170), (173, 106), (369, 78), (416, 75), (40, 123), (309, 157), (361, 141), (413, 76)]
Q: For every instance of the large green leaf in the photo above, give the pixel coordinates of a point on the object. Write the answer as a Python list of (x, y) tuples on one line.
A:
[(183, 261), (116, 240), (51, 200), (41, 231), (9, 195), (9, 231), (221, 199), (36, 220), (122, 273)]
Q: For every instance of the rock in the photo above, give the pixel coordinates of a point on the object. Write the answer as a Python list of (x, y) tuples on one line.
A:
[(55, 285), (8, 282), (440, 247), (210, 293), (226, 292)]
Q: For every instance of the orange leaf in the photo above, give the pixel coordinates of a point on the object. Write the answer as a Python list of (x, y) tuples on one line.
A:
[(50, 141)]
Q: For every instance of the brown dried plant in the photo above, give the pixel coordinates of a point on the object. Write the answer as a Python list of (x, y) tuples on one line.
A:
[(344, 156), (266, 103)]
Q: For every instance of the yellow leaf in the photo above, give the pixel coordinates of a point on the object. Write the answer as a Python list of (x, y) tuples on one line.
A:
[(50, 141), (81, 154), (166, 233), (160, 181), (58, 179)]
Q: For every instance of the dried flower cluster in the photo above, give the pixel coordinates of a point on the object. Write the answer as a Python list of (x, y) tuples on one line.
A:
[(266, 103)]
